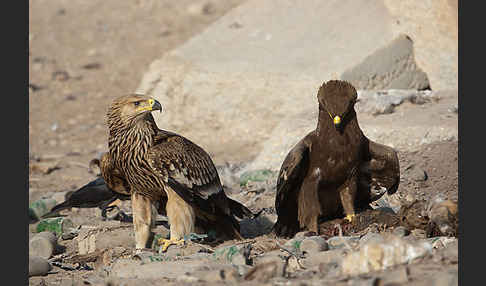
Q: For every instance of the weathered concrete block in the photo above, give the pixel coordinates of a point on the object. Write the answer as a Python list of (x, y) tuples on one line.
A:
[(390, 67)]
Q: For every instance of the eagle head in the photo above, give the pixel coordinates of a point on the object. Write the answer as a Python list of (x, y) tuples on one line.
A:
[(131, 108), (337, 99)]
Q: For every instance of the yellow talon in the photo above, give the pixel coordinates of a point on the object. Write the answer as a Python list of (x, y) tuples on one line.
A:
[(350, 217), (168, 242)]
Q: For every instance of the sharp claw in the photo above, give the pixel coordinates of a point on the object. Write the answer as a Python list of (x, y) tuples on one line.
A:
[(349, 217), (168, 242)]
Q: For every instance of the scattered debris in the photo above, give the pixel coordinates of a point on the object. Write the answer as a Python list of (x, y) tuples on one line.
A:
[(58, 225)]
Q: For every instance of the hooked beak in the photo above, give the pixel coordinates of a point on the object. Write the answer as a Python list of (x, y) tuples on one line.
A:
[(155, 105)]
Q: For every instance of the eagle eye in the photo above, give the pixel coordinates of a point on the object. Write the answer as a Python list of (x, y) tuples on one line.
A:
[(136, 103)]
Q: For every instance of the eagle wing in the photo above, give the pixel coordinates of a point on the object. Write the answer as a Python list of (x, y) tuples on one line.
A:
[(380, 171), (114, 179), (290, 177), (189, 171)]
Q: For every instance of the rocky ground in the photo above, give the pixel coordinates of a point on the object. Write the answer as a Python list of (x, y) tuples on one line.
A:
[(83, 54)]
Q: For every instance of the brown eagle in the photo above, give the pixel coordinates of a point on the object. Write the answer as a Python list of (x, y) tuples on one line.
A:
[(333, 170), (155, 166)]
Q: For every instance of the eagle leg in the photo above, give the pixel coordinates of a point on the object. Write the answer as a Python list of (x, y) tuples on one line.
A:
[(143, 219), (309, 208), (348, 195)]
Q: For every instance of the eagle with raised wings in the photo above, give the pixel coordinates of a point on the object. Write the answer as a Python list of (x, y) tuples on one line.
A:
[(155, 166), (335, 169)]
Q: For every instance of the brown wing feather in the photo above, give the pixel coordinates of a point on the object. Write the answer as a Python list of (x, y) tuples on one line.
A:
[(380, 171), (189, 170), (290, 177)]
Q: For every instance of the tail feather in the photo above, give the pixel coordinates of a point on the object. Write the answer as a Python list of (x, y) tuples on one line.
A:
[(57, 208), (240, 211)]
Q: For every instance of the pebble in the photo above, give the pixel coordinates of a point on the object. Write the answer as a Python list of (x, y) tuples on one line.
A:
[(341, 241), (44, 167), (371, 237), (314, 244), (294, 243), (40, 207), (418, 174), (201, 8), (401, 231), (419, 233), (444, 215), (265, 271), (234, 254), (38, 266), (334, 256), (43, 244)]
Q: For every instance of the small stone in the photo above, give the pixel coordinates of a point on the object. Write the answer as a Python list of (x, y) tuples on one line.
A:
[(190, 248), (444, 215), (38, 266), (371, 237), (341, 241), (401, 231), (418, 174), (419, 233), (43, 245), (265, 271), (234, 254), (201, 8), (294, 243), (92, 66), (60, 75), (324, 257), (44, 167), (41, 207), (314, 244)]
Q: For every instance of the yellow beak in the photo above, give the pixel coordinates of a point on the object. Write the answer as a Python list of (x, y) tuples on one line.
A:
[(152, 105), (337, 120)]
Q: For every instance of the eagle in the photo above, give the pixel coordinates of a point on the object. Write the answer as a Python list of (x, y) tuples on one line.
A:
[(335, 169), (155, 165)]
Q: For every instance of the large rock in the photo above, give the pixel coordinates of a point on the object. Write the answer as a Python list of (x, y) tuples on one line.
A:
[(264, 61), (391, 67)]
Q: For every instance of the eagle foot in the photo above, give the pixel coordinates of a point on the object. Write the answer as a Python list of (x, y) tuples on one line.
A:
[(165, 243), (350, 217)]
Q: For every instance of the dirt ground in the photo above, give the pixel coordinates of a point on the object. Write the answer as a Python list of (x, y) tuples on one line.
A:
[(82, 54)]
